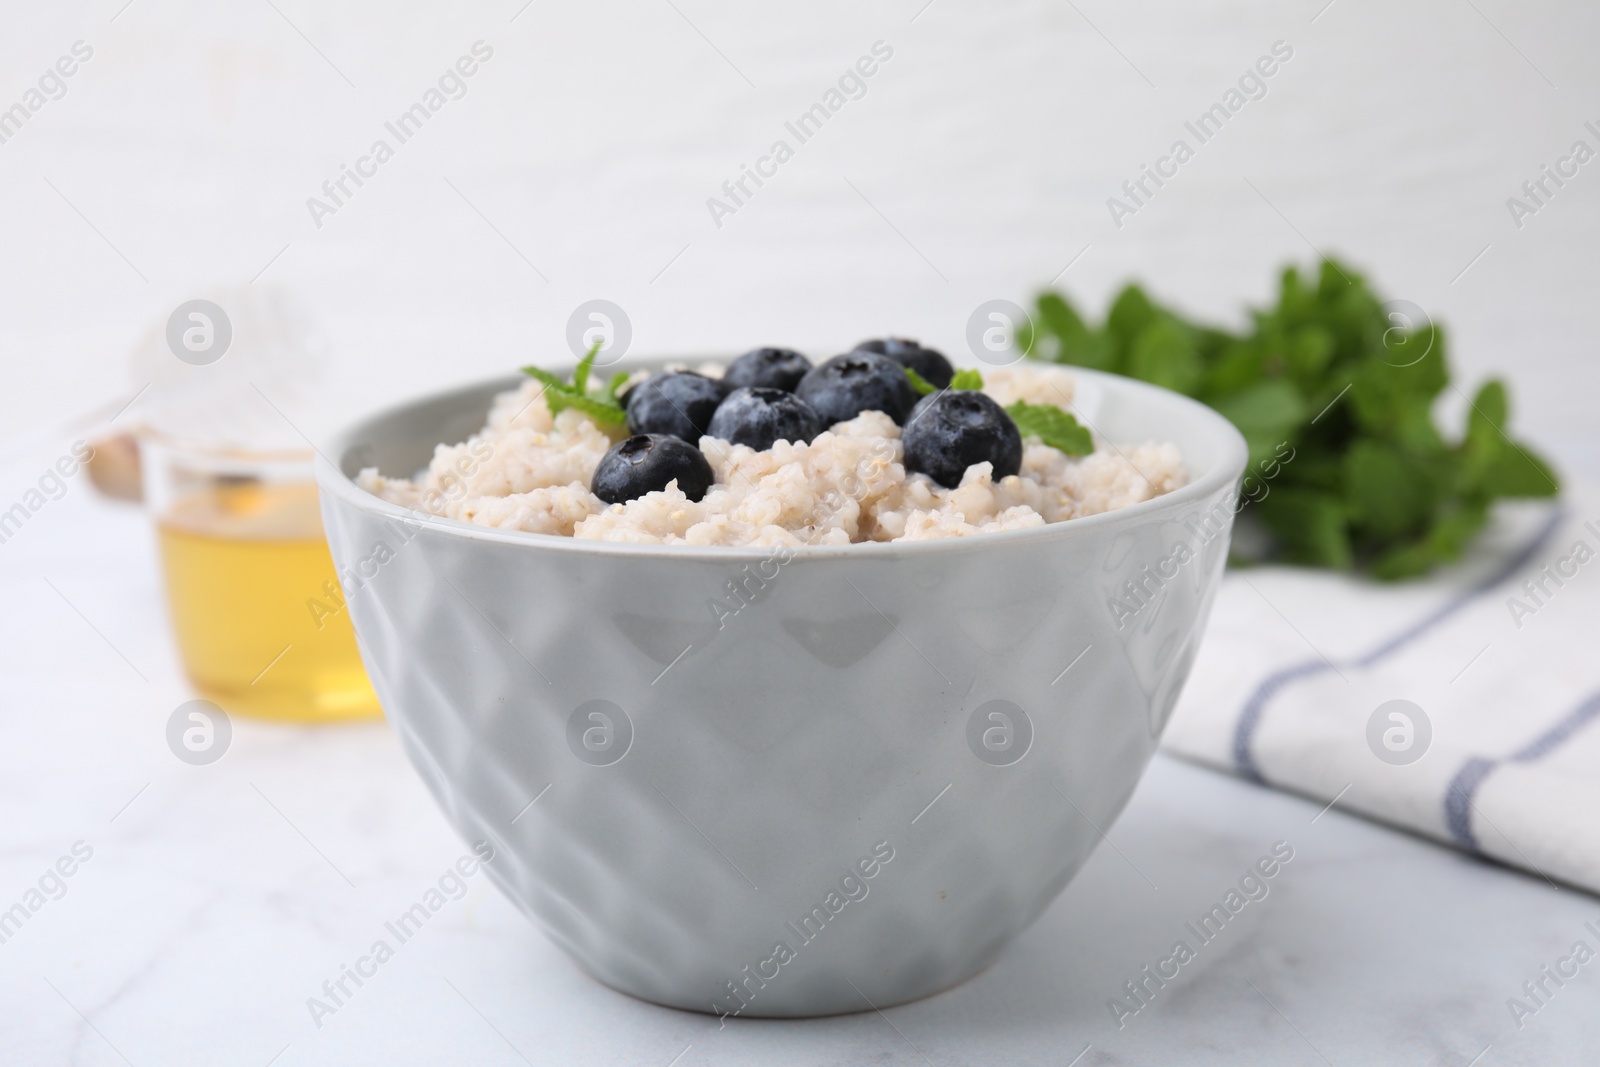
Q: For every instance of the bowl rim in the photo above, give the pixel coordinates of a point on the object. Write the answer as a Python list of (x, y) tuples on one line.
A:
[(1233, 454)]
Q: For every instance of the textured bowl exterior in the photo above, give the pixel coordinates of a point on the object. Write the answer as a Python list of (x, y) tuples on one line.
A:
[(849, 785)]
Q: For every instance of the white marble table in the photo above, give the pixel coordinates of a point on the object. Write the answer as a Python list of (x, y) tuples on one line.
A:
[(219, 899)]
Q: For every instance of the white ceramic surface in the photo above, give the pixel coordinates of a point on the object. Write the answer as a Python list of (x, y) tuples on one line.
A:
[(712, 788)]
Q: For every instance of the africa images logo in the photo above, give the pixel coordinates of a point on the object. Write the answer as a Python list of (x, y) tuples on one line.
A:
[(852, 888), (852, 85), (451, 85)]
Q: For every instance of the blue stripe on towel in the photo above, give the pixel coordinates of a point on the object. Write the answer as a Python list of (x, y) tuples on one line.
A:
[(1464, 786), (1254, 709)]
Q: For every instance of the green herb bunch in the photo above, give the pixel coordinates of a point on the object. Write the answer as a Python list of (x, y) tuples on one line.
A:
[(600, 403), (1349, 384)]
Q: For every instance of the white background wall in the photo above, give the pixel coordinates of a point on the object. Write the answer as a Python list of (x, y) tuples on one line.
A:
[(594, 136)]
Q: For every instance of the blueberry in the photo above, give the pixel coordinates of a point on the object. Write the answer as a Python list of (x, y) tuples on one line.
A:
[(949, 432), (767, 368), (645, 463), (758, 417), (927, 362), (888, 346), (676, 402), (847, 385)]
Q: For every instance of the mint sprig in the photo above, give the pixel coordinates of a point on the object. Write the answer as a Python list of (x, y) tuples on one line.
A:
[(921, 385), (1344, 385), (963, 379), (1053, 426), (600, 405)]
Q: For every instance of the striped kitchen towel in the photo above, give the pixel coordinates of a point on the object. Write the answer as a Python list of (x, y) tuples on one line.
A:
[(1462, 706)]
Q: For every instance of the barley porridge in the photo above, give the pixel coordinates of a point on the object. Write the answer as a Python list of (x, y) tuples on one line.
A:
[(531, 470)]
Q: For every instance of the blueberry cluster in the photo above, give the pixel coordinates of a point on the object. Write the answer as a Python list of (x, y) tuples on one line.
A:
[(775, 394)]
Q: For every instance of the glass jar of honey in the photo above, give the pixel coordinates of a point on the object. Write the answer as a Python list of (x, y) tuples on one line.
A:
[(255, 604)]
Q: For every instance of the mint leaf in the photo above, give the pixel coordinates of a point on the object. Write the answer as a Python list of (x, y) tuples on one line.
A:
[(1519, 473), (1309, 352), (1266, 411), (1386, 491), (1165, 353), (1486, 420), (1075, 342), (1311, 527), (550, 381), (609, 392), (1130, 313), (580, 376), (922, 386), (967, 379), (560, 395), (1053, 426), (1061, 317), (1497, 466), (1446, 541), (598, 410)]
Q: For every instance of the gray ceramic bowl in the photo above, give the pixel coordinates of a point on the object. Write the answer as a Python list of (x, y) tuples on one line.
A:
[(853, 793)]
